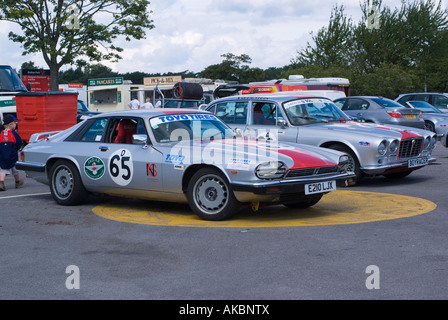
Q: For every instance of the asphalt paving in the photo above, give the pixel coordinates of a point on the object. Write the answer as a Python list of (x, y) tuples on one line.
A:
[(51, 252)]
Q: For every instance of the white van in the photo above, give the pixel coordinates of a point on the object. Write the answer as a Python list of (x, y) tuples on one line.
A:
[(10, 85)]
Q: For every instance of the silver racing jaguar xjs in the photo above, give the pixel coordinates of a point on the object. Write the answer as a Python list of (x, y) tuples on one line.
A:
[(180, 156)]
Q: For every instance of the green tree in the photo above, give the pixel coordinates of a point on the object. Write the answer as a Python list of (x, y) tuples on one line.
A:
[(234, 68), (65, 30), (331, 45), (388, 80)]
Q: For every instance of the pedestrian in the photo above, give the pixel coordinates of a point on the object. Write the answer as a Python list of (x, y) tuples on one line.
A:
[(134, 104), (1, 126), (147, 104), (10, 143), (158, 104)]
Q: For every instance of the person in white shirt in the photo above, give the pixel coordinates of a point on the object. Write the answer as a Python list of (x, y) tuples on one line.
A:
[(147, 104), (134, 104), (158, 104)]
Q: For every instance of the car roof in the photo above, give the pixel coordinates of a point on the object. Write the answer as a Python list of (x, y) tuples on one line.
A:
[(151, 112), (365, 97), (270, 96), (406, 94)]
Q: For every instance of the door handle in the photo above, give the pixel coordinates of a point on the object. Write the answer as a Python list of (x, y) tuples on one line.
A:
[(103, 148)]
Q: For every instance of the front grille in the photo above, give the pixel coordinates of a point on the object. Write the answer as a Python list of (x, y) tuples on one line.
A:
[(298, 173), (410, 148)]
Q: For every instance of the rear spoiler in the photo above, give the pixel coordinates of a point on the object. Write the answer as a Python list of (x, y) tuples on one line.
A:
[(42, 136)]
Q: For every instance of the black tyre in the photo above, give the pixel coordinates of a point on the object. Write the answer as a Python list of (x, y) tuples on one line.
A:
[(430, 126), (210, 196), (305, 201), (354, 163), (187, 90), (65, 184)]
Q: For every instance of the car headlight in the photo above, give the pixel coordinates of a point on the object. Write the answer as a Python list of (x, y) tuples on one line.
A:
[(344, 163), (270, 170), (382, 147), (433, 142), (427, 142), (393, 146)]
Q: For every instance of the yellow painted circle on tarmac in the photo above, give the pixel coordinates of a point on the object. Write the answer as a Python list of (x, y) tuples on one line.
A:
[(337, 207)]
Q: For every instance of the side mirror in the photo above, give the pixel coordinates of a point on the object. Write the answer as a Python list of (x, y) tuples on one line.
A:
[(140, 139), (281, 123), (238, 132)]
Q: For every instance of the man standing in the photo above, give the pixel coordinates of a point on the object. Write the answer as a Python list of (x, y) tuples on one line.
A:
[(147, 104), (134, 104)]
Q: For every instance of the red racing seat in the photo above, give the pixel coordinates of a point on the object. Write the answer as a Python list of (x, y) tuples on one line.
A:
[(126, 128)]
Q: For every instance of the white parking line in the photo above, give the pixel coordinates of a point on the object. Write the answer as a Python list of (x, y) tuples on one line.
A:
[(25, 195)]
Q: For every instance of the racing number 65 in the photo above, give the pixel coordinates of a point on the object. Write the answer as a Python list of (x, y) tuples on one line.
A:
[(120, 167)]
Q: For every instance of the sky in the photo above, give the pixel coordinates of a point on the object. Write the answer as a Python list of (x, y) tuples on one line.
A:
[(193, 34)]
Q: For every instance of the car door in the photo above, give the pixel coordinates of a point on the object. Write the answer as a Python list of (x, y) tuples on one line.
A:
[(267, 121), (112, 166), (440, 102), (356, 108), (233, 113)]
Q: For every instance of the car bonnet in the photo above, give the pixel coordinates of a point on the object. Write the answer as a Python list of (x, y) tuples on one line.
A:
[(380, 131)]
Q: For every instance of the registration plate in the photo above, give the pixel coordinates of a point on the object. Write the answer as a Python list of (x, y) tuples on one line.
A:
[(417, 162), (409, 116), (320, 187)]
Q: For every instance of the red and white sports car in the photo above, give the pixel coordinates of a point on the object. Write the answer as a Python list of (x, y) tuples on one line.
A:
[(180, 155)]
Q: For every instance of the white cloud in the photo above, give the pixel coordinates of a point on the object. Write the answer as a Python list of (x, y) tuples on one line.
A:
[(192, 34)]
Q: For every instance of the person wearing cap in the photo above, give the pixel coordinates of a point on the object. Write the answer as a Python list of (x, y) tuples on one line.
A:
[(10, 143)]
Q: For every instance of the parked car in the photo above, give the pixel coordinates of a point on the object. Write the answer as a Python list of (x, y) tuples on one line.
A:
[(182, 103), (83, 112), (436, 99), (380, 110), (374, 149), (180, 156), (435, 120)]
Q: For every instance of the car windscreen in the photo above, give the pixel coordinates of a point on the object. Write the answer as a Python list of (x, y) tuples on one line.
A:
[(184, 127), (312, 110), (424, 107), (9, 81)]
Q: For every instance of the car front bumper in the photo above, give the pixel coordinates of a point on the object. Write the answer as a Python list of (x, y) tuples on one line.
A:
[(275, 187), (395, 166)]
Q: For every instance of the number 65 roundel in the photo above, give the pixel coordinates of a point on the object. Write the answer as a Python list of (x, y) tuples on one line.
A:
[(121, 167)]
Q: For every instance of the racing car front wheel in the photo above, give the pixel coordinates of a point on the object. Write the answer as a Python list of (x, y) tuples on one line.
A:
[(65, 184), (210, 196)]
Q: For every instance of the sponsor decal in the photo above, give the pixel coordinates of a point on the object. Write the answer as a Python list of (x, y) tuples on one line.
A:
[(94, 168), (151, 169), (174, 158), (364, 143), (180, 117), (121, 167), (242, 164)]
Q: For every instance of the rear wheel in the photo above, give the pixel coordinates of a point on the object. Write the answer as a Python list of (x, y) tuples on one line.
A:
[(210, 196), (305, 201), (65, 184)]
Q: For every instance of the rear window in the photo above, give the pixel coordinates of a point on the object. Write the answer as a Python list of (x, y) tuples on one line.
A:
[(387, 103)]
